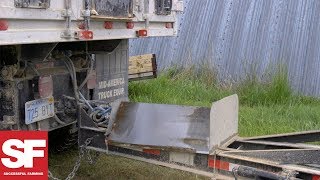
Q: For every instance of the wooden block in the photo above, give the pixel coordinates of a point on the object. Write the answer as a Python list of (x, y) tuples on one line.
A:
[(142, 67)]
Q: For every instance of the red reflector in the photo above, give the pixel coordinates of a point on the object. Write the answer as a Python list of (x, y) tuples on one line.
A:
[(169, 25), (142, 33), (4, 25), (108, 25), (315, 177), (130, 25), (83, 34), (217, 164), (152, 151)]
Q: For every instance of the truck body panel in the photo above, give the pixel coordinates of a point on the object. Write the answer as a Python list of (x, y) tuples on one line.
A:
[(59, 22)]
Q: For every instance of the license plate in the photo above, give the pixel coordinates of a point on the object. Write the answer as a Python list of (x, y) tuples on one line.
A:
[(39, 109)]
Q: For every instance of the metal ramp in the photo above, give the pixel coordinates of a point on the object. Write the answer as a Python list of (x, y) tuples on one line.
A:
[(193, 129)]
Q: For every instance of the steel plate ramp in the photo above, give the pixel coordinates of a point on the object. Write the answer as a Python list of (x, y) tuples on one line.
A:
[(161, 126)]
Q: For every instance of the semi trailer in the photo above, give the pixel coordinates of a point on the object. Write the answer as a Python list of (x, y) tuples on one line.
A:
[(65, 68), (47, 47)]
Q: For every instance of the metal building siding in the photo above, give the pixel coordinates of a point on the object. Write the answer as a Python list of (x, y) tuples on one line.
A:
[(236, 35)]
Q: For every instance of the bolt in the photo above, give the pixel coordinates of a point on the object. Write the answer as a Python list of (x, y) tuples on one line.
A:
[(54, 124), (20, 86)]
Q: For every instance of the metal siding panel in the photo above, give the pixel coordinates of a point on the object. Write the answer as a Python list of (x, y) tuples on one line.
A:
[(235, 36)]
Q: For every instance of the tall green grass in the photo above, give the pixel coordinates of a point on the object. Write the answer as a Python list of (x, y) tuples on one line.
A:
[(267, 107)]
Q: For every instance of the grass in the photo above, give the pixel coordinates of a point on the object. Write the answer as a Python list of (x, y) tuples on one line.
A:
[(112, 167), (268, 107), (265, 108)]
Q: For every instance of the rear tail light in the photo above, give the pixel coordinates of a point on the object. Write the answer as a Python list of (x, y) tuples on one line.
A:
[(108, 25), (169, 25), (142, 33), (83, 35), (316, 177), (130, 25), (4, 25)]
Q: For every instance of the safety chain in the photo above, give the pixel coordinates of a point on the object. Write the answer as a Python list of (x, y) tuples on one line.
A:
[(92, 160), (82, 151)]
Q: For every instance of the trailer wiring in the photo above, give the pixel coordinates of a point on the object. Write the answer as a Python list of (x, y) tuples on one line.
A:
[(99, 114), (88, 56), (98, 111)]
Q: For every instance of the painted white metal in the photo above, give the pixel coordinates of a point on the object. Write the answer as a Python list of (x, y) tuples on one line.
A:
[(223, 121), (182, 157), (28, 25), (54, 35)]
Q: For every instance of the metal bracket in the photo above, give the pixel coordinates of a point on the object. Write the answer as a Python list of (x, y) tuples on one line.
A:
[(8, 121), (66, 34), (66, 13), (86, 13)]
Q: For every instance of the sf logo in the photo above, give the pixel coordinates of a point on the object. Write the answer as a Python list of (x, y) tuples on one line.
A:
[(25, 158)]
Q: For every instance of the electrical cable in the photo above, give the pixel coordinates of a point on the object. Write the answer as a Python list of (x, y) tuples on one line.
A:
[(72, 71), (89, 73), (98, 114)]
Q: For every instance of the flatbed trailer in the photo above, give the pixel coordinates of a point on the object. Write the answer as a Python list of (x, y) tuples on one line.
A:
[(204, 141)]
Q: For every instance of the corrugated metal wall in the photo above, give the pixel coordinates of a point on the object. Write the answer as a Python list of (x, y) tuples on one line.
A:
[(236, 35)]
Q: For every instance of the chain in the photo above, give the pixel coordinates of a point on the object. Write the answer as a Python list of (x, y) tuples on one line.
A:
[(90, 159), (82, 151)]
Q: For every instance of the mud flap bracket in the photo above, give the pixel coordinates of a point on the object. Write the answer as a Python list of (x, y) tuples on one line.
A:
[(88, 129)]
